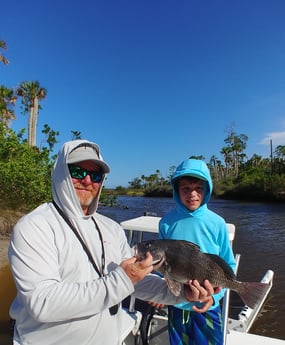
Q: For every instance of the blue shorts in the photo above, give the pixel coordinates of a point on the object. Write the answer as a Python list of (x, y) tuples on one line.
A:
[(190, 328)]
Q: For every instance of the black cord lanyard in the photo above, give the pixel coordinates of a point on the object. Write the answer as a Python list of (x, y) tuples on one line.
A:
[(90, 257), (114, 309)]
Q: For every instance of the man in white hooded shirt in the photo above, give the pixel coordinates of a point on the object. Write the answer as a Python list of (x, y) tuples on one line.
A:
[(73, 266)]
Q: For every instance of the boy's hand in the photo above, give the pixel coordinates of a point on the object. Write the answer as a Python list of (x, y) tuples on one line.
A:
[(194, 292)]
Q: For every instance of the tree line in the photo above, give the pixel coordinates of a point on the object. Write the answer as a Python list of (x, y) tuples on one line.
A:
[(256, 178)]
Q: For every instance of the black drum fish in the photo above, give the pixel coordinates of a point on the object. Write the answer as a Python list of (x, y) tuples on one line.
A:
[(180, 261)]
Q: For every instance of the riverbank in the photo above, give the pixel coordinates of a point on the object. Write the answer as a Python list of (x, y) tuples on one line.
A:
[(4, 243), (7, 293), (8, 219)]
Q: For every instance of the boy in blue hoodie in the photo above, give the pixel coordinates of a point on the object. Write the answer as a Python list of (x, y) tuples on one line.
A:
[(191, 220)]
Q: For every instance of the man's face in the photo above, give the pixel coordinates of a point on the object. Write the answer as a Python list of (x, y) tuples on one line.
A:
[(191, 192), (85, 189)]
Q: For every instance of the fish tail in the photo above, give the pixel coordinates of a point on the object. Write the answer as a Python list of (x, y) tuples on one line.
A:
[(252, 293)]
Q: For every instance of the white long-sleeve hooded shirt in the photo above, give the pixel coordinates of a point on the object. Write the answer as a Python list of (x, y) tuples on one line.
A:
[(61, 299)]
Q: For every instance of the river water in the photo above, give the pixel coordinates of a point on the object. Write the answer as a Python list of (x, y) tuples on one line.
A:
[(260, 239)]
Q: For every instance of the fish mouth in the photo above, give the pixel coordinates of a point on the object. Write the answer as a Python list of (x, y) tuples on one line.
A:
[(158, 262), (134, 251), (155, 262)]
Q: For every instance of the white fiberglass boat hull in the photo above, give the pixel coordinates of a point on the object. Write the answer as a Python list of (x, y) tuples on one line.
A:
[(241, 338)]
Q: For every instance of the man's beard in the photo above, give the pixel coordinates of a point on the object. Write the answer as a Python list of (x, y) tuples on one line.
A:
[(85, 199)]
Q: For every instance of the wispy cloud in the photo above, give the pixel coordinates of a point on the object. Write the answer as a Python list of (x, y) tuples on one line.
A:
[(278, 138)]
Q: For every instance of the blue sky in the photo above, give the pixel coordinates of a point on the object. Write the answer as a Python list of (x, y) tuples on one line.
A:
[(151, 81)]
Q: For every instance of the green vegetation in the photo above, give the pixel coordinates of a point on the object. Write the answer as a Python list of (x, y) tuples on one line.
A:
[(3, 46), (238, 178), (24, 171)]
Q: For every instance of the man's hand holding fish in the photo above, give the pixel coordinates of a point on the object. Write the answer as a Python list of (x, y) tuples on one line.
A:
[(137, 270)]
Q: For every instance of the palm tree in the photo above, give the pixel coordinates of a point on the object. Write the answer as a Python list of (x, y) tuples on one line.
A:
[(143, 180), (233, 152), (280, 152), (226, 152), (31, 93), (3, 45), (76, 135), (216, 168), (7, 103)]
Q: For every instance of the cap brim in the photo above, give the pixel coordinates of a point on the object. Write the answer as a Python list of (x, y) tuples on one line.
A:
[(87, 155)]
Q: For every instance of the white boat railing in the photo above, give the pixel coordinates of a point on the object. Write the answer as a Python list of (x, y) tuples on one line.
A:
[(248, 315), (226, 305)]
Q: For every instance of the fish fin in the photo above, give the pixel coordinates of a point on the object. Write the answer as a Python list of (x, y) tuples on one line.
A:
[(252, 293), (173, 285), (223, 264), (190, 244)]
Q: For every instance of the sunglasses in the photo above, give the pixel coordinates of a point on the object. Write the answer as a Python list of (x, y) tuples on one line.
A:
[(80, 173)]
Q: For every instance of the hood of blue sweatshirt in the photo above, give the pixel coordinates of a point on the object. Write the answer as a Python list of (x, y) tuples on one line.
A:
[(195, 168)]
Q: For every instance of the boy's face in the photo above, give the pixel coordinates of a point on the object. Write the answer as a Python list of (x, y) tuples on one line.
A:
[(191, 192)]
